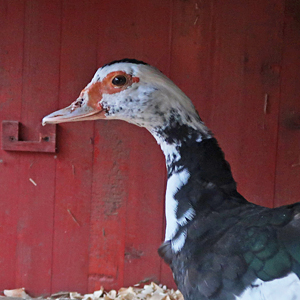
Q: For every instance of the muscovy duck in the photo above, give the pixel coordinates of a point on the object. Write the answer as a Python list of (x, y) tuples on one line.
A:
[(219, 246)]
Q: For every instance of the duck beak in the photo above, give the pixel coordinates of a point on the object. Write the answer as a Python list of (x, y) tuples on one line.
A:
[(71, 114), (86, 107)]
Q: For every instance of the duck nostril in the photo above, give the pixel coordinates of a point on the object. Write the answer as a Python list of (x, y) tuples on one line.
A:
[(77, 104)]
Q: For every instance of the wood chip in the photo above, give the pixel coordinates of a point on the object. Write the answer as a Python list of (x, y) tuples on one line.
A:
[(18, 293), (32, 181), (151, 291)]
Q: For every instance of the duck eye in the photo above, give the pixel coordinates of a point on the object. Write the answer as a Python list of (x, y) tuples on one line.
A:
[(119, 80)]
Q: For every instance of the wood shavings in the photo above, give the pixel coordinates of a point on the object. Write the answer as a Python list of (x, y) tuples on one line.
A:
[(98, 294), (95, 295), (148, 292), (60, 295), (297, 164), (17, 293), (196, 20), (32, 181), (75, 295), (74, 219), (152, 291), (111, 295)]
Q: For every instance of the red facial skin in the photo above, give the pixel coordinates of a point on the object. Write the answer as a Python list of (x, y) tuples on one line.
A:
[(80, 110), (97, 89)]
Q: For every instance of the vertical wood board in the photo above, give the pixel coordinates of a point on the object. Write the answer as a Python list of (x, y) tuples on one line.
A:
[(37, 172), (74, 169), (11, 53), (288, 152)]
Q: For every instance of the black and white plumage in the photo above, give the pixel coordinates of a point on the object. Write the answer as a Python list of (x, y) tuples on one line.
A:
[(219, 246)]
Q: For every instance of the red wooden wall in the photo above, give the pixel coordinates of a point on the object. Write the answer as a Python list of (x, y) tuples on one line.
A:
[(95, 216)]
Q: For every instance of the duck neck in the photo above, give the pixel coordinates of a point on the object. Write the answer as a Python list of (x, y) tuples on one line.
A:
[(194, 163)]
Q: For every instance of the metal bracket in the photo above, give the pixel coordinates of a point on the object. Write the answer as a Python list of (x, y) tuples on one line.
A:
[(11, 142)]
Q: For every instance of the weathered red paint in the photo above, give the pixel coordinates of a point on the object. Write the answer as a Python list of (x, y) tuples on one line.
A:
[(39, 67), (10, 102), (96, 215), (288, 154), (74, 167)]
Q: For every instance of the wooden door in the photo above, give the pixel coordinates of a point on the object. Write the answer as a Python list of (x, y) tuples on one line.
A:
[(93, 213)]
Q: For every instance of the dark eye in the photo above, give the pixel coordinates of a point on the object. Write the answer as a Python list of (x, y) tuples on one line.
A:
[(119, 80)]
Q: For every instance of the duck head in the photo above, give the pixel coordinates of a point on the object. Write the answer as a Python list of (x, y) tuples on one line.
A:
[(132, 91)]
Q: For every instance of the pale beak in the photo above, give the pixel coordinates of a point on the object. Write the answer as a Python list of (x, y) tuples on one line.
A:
[(69, 114), (86, 107)]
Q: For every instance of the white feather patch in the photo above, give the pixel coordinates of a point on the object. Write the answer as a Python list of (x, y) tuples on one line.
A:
[(187, 216), (286, 288), (175, 182), (178, 243)]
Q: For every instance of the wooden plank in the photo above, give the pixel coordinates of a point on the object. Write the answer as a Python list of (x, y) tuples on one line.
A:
[(144, 209), (235, 48), (257, 109), (75, 145), (130, 205), (108, 211), (11, 53), (37, 172), (288, 158), (192, 50), (146, 176)]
